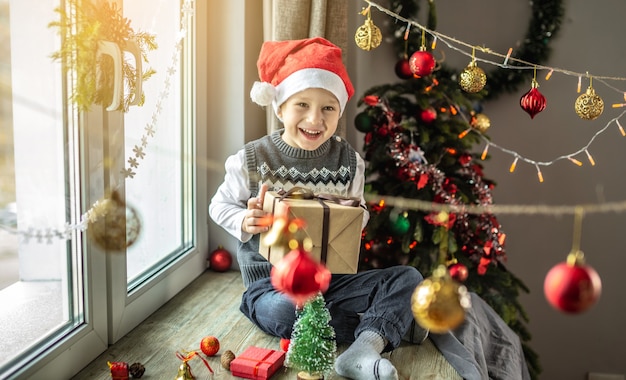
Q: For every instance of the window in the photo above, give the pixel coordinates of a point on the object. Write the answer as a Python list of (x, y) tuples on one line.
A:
[(66, 297)]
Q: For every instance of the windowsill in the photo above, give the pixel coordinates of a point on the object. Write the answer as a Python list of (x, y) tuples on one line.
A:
[(36, 309)]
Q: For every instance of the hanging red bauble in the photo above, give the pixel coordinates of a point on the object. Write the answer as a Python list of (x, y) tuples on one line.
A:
[(403, 69), (300, 277), (220, 260), (422, 63), (428, 115), (458, 272), (533, 101), (572, 286)]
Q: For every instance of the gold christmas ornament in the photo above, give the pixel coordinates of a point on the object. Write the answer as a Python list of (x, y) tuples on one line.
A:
[(480, 122), (184, 372), (113, 225), (439, 303), (589, 106), (472, 79), (368, 35)]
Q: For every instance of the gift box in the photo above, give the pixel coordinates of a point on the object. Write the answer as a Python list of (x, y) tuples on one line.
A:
[(332, 224), (257, 363)]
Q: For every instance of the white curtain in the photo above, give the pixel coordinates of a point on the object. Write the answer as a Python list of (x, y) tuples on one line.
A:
[(298, 19)]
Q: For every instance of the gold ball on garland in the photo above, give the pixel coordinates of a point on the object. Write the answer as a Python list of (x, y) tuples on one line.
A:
[(227, 357), (439, 303), (113, 224), (589, 106), (368, 36), (472, 79), (480, 122)]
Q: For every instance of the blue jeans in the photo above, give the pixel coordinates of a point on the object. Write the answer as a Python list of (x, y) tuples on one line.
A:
[(378, 300)]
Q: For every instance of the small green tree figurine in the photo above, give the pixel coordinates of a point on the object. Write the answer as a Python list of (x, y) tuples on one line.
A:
[(312, 348)]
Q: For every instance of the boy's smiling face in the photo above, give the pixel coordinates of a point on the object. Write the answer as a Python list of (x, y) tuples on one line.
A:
[(310, 118)]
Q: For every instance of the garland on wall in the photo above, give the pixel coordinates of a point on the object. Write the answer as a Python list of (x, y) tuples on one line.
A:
[(544, 25)]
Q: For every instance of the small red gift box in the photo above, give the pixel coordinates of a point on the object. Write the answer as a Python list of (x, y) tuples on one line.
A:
[(257, 363)]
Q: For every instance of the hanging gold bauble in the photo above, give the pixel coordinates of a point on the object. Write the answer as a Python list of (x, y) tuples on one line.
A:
[(113, 225), (472, 78), (368, 35), (480, 122), (439, 303), (589, 105)]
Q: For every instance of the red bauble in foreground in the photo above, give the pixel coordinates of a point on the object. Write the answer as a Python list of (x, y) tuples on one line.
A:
[(572, 286), (209, 345), (220, 260), (422, 63), (458, 272), (533, 101), (403, 69), (300, 277)]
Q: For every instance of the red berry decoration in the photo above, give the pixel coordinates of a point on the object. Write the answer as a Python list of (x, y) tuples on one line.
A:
[(300, 277), (428, 115), (220, 260), (209, 345), (572, 286), (458, 272), (403, 69), (533, 101), (422, 63), (284, 344)]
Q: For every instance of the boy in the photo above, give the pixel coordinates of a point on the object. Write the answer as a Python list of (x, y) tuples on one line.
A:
[(308, 87)]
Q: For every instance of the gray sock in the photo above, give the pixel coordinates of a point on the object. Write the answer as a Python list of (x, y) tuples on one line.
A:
[(362, 360)]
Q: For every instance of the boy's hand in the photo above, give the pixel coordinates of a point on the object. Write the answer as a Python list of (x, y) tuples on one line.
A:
[(255, 219)]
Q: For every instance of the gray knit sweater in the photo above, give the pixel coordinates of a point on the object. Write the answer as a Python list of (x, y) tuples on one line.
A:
[(269, 160)]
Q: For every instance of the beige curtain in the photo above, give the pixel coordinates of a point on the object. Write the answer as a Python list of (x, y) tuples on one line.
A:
[(298, 19)]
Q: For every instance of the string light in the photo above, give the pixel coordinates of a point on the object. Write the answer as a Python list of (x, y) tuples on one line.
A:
[(434, 44), (539, 175), (484, 155), (575, 161), (593, 163), (549, 74), (620, 128), (508, 55), (513, 165)]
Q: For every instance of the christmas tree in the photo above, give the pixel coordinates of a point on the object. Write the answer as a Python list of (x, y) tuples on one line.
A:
[(420, 134), (312, 348)]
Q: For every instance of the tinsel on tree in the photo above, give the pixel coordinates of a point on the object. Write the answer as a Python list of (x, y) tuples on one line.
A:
[(421, 137), (313, 347)]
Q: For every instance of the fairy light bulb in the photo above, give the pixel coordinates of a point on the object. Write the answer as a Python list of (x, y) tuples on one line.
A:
[(579, 84), (575, 161), (593, 163), (508, 55), (549, 74), (539, 175), (513, 165), (484, 155), (620, 128), (464, 133), (434, 44)]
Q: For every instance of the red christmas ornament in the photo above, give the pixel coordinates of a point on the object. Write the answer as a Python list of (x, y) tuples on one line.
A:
[(403, 69), (533, 101), (220, 260), (458, 272), (284, 344), (209, 345), (422, 63), (428, 115), (300, 277), (572, 286)]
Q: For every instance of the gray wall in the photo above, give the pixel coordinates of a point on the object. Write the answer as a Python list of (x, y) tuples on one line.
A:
[(591, 39)]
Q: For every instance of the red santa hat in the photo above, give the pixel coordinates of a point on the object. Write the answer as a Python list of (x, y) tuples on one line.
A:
[(288, 67)]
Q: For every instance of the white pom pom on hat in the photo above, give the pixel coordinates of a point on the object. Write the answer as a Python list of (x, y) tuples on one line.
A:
[(288, 67), (263, 93)]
